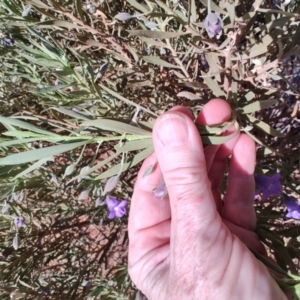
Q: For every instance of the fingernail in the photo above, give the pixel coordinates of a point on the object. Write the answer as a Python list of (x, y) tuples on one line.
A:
[(172, 130)]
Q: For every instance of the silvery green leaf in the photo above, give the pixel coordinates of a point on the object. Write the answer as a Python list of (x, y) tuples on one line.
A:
[(160, 62), (151, 25), (116, 169), (69, 170), (156, 34), (111, 183), (188, 95), (16, 242), (26, 11), (36, 154), (123, 16)]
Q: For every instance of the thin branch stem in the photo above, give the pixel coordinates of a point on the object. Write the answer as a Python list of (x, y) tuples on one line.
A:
[(178, 61), (208, 6)]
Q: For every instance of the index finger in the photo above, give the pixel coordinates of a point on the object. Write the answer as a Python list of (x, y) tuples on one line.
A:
[(149, 218)]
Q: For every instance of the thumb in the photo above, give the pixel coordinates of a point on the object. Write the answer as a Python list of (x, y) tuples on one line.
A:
[(181, 158)]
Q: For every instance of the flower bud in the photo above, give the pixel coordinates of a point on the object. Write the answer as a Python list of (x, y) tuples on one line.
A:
[(213, 25)]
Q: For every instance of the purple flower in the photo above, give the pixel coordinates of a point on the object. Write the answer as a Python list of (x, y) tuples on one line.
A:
[(19, 222), (213, 25), (160, 191), (268, 186), (7, 42), (116, 208), (293, 208)]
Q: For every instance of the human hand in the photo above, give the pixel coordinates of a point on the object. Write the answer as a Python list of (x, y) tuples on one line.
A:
[(191, 244)]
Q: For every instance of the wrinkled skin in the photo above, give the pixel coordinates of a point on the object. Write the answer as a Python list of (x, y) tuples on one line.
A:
[(190, 245)]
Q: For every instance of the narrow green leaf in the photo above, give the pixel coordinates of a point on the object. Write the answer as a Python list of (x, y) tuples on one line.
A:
[(52, 88), (90, 42), (272, 265), (6, 170), (70, 113), (153, 42), (23, 134), (63, 73), (216, 129), (158, 61), (96, 167), (24, 125), (267, 40), (149, 169), (257, 50), (153, 34), (134, 145), (20, 141), (165, 7), (116, 169), (138, 6), (42, 62), (133, 53), (212, 84), (263, 126), (218, 140), (193, 11), (111, 125), (33, 167), (57, 23), (248, 97), (177, 15), (257, 106), (214, 7), (140, 83), (230, 7), (129, 102), (270, 150), (38, 3), (79, 94), (33, 155), (188, 95), (214, 66), (78, 4)]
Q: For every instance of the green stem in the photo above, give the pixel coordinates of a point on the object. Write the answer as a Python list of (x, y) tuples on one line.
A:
[(209, 6), (189, 12)]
